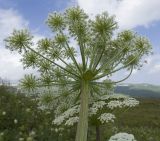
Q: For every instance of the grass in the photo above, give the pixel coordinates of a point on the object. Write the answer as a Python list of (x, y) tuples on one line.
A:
[(146, 114), (142, 121)]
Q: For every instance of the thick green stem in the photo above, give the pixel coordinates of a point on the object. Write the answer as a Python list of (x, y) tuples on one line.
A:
[(82, 127)]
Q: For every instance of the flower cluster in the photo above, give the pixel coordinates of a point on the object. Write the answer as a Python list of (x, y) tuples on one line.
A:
[(122, 137), (127, 102), (70, 112), (92, 111), (106, 117), (96, 106), (59, 120), (110, 102), (71, 121), (130, 102), (31, 136), (67, 114), (115, 104), (58, 129)]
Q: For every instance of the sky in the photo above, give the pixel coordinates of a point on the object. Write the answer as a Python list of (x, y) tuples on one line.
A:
[(141, 16)]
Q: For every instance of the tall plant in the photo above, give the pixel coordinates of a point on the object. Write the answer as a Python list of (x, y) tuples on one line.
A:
[(96, 56)]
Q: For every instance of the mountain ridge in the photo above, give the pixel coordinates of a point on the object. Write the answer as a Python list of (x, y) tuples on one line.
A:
[(142, 90)]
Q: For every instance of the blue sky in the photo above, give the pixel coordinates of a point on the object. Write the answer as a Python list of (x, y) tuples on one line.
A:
[(139, 15), (35, 11)]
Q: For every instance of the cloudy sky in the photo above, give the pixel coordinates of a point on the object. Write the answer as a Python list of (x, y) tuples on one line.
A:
[(142, 16)]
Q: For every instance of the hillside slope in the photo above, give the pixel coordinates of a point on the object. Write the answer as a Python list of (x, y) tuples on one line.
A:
[(139, 90)]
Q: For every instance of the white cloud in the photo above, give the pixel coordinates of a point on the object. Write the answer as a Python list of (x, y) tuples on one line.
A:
[(156, 69), (10, 66), (9, 20), (149, 73), (129, 13), (12, 69)]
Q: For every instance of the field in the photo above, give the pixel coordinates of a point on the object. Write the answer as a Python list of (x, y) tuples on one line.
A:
[(143, 121)]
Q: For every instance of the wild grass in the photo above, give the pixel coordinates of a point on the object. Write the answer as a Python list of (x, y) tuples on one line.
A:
[(142, 121)]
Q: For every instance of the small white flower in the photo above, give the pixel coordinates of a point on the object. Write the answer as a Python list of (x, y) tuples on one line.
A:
[(42, 107), (48, 112), (32, 133), (3, 113), (56, 130), (29, 139), (52, 129), (15, 121), (106, 117), (2, 133), (21, 139), (59, 129), (122, 137), (28, 110)]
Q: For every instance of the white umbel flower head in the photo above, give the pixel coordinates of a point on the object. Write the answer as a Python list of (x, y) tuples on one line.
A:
[(59, 120), (69, 113), (98, 104), (106, 117), (114, 104), (71, 121), (122, 137), (130, 102), (92, 111)]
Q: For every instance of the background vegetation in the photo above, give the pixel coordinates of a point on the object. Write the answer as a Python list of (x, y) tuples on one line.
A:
[(139, 90), (21, 117)]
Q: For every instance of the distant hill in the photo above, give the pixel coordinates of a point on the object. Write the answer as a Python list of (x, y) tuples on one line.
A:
[(139, 90), (134, 90)]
